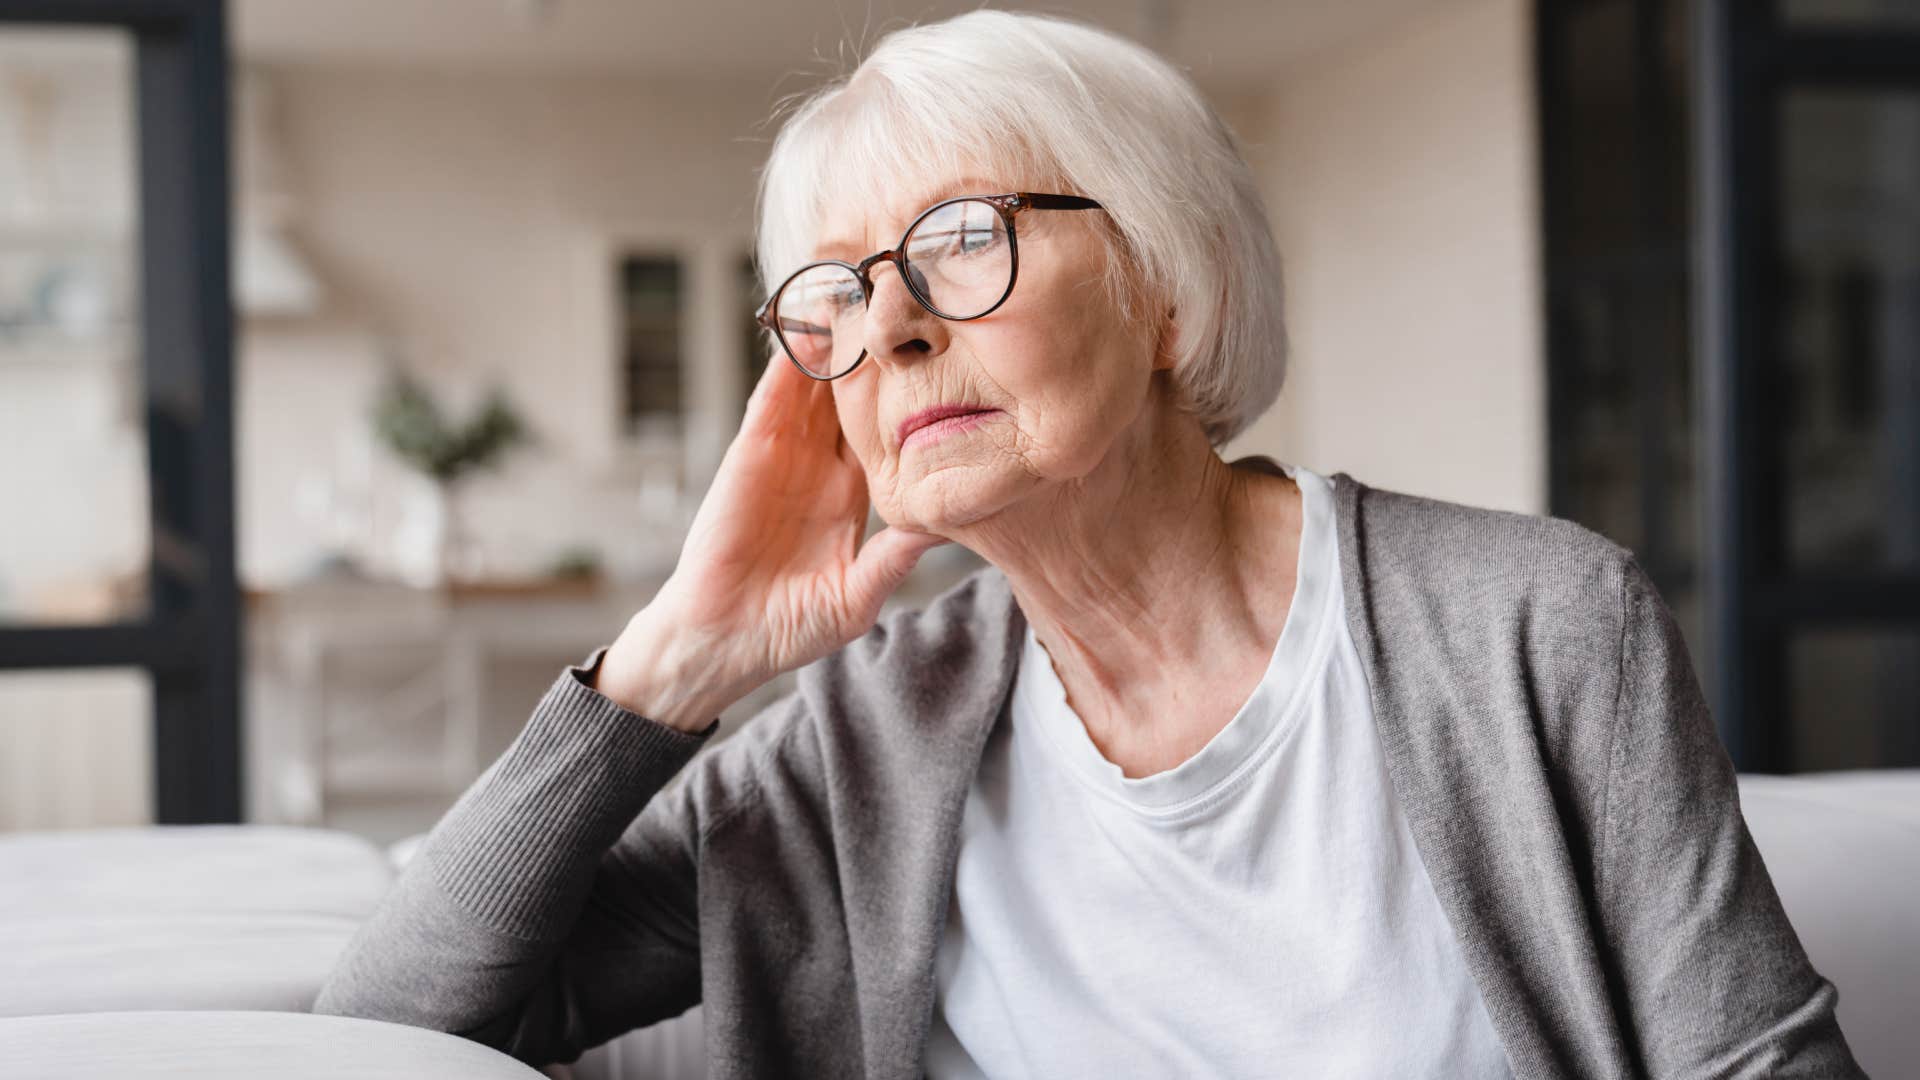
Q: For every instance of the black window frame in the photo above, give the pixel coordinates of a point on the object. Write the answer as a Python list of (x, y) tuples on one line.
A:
[(1743, 60), (1747, 60), (189, 639)]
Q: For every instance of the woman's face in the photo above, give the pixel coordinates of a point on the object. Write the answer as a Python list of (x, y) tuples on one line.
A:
[(1056, 370)]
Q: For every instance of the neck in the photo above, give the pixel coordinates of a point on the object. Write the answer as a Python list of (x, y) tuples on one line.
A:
[(1161, 572)]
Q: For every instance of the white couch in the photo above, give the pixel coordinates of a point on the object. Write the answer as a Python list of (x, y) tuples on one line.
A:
[(239, 1045), (1844, 851), (221, 917), (101, 928)]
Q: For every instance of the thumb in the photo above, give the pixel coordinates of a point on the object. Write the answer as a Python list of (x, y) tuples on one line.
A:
[(883, 563)]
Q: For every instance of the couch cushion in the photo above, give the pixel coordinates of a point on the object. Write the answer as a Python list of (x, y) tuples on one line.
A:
[(198, 868), (190, 917), (1843, 849), (223, 1045)]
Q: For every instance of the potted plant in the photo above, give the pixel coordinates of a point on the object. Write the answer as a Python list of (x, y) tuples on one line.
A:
[(412, 425)]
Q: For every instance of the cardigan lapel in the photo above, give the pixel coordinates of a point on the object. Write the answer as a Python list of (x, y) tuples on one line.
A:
[(1468, 785), (897, 914)]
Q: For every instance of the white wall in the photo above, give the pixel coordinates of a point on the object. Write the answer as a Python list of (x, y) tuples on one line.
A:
[(75, 749), (1400, 173), (457, 221)]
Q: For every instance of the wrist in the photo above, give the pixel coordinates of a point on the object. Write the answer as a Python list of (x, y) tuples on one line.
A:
[(655, 670)]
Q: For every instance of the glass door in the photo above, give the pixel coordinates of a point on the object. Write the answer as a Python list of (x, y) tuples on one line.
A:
[(119, 613), (1808, 159)]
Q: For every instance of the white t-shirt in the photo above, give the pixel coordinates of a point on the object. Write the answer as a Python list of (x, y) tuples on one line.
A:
[(1259, 910)]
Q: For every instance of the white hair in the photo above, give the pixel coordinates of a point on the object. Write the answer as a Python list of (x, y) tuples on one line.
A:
[(1040, 100)]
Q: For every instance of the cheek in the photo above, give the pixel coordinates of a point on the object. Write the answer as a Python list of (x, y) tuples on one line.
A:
[(1073, 377), (855, 404)]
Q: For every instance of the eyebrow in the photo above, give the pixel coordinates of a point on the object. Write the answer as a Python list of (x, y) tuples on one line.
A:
[(966, 185)]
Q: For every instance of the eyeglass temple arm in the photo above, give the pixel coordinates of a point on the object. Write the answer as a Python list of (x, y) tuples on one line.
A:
[(1039, 201)]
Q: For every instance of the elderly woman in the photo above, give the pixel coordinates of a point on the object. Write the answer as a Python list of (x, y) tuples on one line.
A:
[(1215, 770)]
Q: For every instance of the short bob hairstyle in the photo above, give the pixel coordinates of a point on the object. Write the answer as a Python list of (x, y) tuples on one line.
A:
[(1034, 102)]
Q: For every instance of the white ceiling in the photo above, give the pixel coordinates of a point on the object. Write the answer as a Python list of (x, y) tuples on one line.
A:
[(1226, 44)]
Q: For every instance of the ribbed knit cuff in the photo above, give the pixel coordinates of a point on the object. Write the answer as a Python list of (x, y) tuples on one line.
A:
[(519, 849)]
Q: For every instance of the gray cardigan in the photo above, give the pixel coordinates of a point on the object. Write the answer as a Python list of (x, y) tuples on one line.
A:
[(1543, 729)]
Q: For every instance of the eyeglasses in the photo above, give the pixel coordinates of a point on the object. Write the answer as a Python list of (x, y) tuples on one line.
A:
[(959, 259)]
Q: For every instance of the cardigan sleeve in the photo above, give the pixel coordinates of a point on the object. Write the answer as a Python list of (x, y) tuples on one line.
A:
[(1714, 980), (545, 913)]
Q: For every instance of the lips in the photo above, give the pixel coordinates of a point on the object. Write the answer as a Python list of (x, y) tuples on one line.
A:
[(939, 412)]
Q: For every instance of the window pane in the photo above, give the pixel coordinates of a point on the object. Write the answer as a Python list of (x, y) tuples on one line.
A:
[(652, 302), (73, 491), (75, 749), (1855, 699), (1849, 390)]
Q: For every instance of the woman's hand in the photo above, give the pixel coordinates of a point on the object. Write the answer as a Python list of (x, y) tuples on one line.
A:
[(773, 574)]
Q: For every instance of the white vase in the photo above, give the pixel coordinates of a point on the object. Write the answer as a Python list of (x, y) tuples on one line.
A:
[(460, 557), (433, 547)]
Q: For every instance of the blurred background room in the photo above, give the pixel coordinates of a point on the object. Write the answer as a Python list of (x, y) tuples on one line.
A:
[(491, 330), (362, 362)]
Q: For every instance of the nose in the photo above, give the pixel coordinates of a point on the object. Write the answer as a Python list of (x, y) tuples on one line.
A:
[(897, 328)]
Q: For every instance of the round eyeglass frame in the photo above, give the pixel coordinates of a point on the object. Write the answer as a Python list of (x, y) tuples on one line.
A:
[(1007, 205)]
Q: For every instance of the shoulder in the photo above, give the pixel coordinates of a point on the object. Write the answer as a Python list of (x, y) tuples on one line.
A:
[(1449, 557), (1496, 637), (1475, 550), (1483, 590)]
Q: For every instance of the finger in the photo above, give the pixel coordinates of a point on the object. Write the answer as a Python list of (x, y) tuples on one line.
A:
[(789, 404), (780, 377), (883, 563)]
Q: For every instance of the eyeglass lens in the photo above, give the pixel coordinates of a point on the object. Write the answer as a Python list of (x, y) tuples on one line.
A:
[(958, 260)]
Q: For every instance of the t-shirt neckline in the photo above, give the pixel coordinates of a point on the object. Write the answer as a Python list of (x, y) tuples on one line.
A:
[(1259, 726)]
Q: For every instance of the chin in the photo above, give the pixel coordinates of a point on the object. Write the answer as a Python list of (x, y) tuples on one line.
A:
[(953, 494)]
